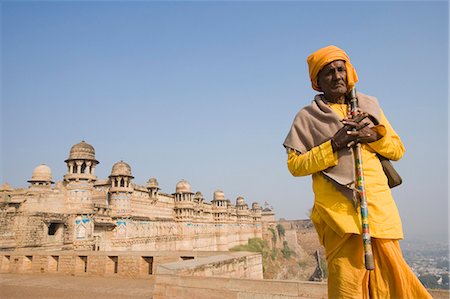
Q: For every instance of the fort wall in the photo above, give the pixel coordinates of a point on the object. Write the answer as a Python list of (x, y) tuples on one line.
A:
[(132, 264), (82, 212)]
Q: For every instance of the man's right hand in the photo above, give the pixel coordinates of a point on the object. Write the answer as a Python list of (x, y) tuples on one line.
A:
[(348, 135), (342, 138)]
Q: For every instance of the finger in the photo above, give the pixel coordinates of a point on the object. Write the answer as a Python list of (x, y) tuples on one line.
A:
[(351, 124), (360, 117), (351, 143), (353, 133), (347, 118), (359, 127)]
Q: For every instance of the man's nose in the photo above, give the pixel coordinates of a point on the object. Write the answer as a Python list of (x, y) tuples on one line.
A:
[(337, 75)]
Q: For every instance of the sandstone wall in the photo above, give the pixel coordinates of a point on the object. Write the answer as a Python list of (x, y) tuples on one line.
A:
[(7, 231), (181, 287), (233, 264), (111, 263)]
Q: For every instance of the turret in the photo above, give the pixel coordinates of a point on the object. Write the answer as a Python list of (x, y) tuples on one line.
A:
[(153, 188), (41, 177), (256, 212), (198, 204), (268, 214), (81, 163), (121, 188), (219, 206), (241, 209), (184, 201)]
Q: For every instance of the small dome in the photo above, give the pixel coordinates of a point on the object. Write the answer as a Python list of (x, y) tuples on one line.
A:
[(42, 173), (219, 195), (267, 207), (121, 169), (6, 187), (255, 206), (83, 151), (198, 197), (152, 183), (183, 187), (240, 201)]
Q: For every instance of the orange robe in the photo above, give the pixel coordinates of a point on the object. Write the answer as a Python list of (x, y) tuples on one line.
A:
[(338, 223)]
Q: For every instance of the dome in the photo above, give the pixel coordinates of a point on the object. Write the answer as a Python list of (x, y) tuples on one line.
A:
[(219, 195), (255, 206), (82, 151), (121, 169), (183, 187), (240, 201), (6, 187), (152, 183), (42, 173)]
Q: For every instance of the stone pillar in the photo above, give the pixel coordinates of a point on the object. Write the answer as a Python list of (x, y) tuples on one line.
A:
[(78, 163), (88, 167)]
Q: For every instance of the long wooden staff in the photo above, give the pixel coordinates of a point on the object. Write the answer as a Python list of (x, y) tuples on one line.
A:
[(368, 256)]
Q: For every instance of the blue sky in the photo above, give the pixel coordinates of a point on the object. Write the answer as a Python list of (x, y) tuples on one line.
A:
[(206, 91)]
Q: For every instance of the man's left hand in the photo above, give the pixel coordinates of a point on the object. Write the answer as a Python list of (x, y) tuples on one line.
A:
[(363, 133)]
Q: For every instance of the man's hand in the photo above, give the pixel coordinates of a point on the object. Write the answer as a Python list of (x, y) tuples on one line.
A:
[(355, 130), (343, 138)]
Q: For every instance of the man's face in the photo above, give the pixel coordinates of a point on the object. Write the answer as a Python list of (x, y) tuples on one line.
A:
[(332, 79)]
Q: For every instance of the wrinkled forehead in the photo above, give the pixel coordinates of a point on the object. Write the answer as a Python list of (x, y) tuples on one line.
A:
[(333, 65)]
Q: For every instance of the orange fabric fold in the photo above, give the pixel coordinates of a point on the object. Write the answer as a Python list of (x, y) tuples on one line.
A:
[(348, 278)]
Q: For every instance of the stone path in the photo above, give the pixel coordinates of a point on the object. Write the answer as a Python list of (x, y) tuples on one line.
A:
[(40, 286)]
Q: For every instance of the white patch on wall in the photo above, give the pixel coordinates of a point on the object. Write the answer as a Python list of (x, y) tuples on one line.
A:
[(81, 223), (121, 229)]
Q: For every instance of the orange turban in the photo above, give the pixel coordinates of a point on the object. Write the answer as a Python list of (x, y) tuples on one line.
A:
[(322, 57)]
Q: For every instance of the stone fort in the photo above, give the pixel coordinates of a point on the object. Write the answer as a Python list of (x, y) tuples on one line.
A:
[(82, 212)]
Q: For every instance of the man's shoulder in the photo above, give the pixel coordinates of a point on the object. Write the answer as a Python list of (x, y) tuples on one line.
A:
[(364, 97), (307, 109)]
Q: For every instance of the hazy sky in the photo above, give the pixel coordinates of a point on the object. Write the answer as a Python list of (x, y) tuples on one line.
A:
[(206, 91)]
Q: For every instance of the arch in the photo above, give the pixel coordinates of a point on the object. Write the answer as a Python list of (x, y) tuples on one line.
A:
[(83, 167), (122, 182)]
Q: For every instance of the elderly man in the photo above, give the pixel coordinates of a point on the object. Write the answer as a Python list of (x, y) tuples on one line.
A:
[(319, 144)]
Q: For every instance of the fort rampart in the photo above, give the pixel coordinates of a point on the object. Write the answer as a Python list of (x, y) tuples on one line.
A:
[(174, 275), (133, 264)]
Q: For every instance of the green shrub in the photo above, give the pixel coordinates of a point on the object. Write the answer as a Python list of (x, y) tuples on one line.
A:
[(281, 230), (274, 236), (274, 254), (286, 251), (256, 245)]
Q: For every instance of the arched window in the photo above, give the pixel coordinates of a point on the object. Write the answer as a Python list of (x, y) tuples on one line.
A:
[(122, 183), (83, 167)]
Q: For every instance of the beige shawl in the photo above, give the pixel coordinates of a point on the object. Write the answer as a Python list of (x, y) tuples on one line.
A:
[(317, 123)]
